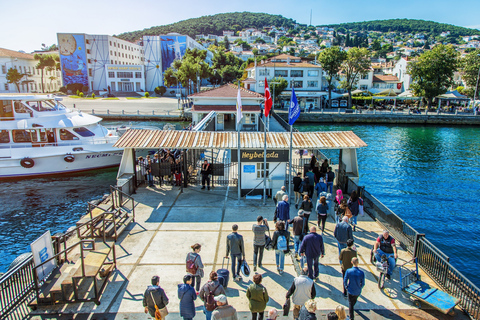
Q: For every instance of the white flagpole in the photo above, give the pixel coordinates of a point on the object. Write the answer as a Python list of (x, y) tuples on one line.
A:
[(265, 162), (238, 146)]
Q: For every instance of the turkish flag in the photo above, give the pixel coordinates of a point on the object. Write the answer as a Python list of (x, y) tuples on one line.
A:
[(268, 99), (399, 85)]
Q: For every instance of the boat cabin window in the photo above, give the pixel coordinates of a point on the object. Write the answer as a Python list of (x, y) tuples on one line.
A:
[(42, 133), (42, 106), (4, 137), (84, 132), (6, 111), (21, 108), (67, 135), (20, 136)]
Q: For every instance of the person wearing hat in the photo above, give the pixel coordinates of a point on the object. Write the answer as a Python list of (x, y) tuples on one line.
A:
[(155, 295), (224, 311)]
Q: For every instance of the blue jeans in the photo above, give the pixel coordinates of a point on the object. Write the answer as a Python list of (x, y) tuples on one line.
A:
[(280, 258), (353, 220), (296, 243), (237, 257), (340, 247), (391, 260), (208, 314), (337, 219), (150, 179), (313, 269), (303, 260), (329, 187)]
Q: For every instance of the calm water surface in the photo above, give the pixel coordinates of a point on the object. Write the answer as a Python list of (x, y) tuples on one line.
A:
[(429, 176)]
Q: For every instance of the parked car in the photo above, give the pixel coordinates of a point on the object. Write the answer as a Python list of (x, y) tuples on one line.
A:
[(334, 103), (343, 103)]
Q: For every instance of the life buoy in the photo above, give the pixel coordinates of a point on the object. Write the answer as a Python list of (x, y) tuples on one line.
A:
[(69, 158), (27, 163)]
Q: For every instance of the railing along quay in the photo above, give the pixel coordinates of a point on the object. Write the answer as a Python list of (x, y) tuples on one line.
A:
[(432, 260)]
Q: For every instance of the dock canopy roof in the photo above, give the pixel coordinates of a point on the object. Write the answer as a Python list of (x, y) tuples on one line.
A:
[(147, 139)]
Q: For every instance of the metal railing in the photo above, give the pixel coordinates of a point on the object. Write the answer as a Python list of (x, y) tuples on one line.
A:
[(432, 260), (16, 285)]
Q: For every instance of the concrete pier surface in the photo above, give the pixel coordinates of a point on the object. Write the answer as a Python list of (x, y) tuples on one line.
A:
[(168, 222)]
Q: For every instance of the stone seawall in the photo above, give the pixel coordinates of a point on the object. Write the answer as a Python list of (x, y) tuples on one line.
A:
[(384, 118)]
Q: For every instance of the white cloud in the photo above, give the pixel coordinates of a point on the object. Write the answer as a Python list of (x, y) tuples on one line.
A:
[(477, 26)]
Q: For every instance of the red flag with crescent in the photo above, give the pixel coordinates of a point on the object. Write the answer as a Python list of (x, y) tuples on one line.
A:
[(268, 99)]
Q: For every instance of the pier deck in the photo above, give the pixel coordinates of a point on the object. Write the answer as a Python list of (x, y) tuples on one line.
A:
[(169, 222)]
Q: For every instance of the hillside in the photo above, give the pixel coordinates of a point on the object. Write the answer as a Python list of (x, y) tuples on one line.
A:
[(214, 24), (406, 26)]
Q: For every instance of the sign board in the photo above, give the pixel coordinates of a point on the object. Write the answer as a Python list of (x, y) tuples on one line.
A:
[(249, 168), (257, 156), (42, 250), (125, 80)]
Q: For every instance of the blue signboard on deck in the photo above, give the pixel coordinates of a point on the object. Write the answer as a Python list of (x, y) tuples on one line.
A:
[(249, 168)]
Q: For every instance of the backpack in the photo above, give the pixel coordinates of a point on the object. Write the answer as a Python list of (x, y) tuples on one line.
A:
[(281, 243), (210, 303), (191, 267)]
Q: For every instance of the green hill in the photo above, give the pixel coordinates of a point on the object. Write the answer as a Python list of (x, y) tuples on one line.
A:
[(406, 26), (214, 24)]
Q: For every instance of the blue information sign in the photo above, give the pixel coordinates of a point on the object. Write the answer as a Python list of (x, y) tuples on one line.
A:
[(249, 168)]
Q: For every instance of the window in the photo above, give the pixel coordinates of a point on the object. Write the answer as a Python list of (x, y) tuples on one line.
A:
[(260, 170), (67, 135), (89, 60), (365, 77), (296, 73), (313, 73), (263, 72), (84, 132), (110, 42), (249, 118), (4, 69), (88, 51), (128, 75), (20, 108), (138, 75), (4, 137), (20, 136), (6, 86), (296, 84), (312, 84), (87, 41), (261, 83), (90, 72), (281, 73), (115, 53), (111, 74)]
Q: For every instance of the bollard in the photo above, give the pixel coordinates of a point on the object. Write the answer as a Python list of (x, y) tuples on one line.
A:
[(138, 112), (108, 111), (168, 113), (74, 105), (153, 112), (93, 111), (123, 111)]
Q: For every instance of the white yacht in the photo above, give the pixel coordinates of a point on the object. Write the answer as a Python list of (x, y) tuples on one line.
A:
[(40, 136)]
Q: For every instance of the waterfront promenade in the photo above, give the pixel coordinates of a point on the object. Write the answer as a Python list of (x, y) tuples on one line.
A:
[(168, 222)]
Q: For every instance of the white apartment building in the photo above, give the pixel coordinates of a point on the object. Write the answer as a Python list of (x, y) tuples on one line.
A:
[(400, 71), (32, 80), (304, 76)]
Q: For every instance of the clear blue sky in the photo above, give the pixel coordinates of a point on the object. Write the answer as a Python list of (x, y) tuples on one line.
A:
[(25, 25)]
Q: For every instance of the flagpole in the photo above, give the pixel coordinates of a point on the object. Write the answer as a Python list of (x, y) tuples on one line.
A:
[(265, 163), (290, 165), (238, 147)]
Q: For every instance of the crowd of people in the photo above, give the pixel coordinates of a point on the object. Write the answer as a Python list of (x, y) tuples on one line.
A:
[(173, 176)]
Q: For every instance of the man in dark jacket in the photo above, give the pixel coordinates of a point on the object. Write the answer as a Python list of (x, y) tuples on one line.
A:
[(343, 232), (297, 229), (297, 182), (206, 172), (354, 281), (236, 249), (282, 212), (154, 295), (312, 248), (346, 256)]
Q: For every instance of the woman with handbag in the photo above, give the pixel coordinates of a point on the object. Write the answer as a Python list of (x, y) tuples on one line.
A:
[(187, 296), (155, 300), (257, 297), (195, 265)]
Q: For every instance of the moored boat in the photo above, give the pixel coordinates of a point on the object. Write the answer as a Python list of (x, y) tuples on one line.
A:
[(40, 136)]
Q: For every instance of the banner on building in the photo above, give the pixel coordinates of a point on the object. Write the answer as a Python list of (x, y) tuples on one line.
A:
[(173, 48), (257, 156), (73, 59)]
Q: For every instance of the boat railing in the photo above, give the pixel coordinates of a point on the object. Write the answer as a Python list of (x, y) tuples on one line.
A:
[(86, 141), (432, 260)]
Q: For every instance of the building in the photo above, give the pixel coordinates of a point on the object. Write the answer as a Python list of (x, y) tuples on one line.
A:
[(32, 79), (386, 82), (400, 71), (302, 75)]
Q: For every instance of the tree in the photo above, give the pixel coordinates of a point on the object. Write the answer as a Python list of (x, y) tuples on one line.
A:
[(45, 61), (13, 76), (432, 72), (227, 43), (356, 63), (331, 60), (470, 66)]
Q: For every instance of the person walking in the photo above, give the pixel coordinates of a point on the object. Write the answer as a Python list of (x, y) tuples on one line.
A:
[(297, 186), (312, 248), (224, 311), (187, 296), (302, 289), (195, 265), (322, 211), (155, 296), (212, 288), (343, 232), (320, 187), (280, 241), (353, 205), (345, 258), (236, 248), (206, 171), (339, 211), (353, 281), (298, 230), (307, 207), (311, 182), (279, 195), (307, 312), (282, 211), (330, 177), (259, 229), (257, 296)]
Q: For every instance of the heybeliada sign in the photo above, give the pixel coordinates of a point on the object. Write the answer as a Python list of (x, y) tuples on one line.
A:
[(257, 156)]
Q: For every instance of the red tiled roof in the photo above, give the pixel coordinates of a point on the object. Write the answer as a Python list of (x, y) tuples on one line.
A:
[(227, 91), (223, 108), (384, 78), (285, 57), (15, 54)]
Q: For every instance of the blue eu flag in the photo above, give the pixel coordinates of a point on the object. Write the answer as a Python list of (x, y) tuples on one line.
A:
[(294, 109)]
